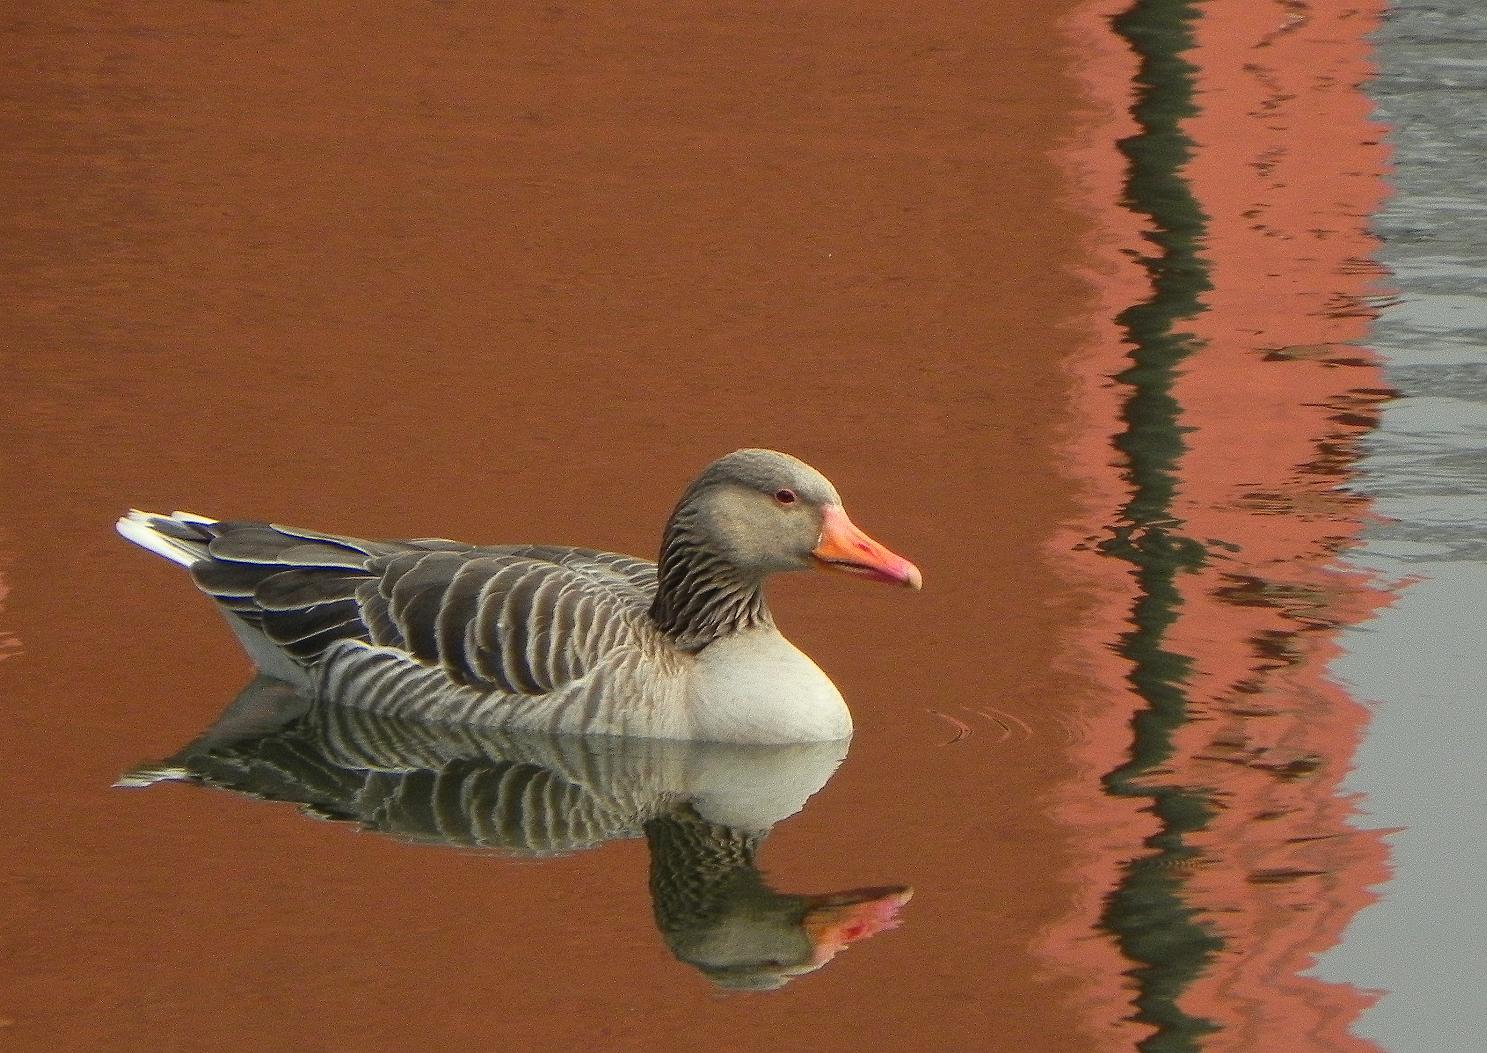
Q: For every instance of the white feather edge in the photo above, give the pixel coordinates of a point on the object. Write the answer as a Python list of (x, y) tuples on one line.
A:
[(135, 527)]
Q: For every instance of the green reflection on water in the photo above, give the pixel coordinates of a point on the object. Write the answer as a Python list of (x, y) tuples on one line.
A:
[(1146, 912)]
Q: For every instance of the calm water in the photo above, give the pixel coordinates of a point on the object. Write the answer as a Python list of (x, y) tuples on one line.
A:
[(1153, 333), (1426, 475)]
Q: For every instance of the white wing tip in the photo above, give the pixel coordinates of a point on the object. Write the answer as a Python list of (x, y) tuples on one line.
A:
[(150, 774), (136, 526)]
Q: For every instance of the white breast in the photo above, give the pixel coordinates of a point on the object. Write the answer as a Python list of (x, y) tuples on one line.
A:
[(757, 687)]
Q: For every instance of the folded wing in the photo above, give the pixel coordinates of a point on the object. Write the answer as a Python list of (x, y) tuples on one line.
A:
[(522, 620)]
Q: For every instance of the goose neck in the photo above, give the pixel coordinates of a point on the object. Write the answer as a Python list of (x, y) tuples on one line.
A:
[(701, 595)]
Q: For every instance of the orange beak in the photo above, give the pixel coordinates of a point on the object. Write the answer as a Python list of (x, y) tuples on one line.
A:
[(844, 547), (846, 917)]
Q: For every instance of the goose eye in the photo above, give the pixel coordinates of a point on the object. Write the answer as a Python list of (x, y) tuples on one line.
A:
[(785, 497)]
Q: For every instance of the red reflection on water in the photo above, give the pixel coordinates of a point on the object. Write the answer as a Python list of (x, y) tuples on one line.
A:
[(1287, 167), (1105, 828)]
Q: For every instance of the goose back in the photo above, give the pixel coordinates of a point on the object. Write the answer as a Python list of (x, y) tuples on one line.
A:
[(519, 620)]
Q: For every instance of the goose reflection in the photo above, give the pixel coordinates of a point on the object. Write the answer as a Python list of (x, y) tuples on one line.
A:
[(703, 808)]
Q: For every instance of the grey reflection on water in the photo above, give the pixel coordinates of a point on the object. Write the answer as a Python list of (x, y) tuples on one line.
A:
[(1426, 471), (703, 808)]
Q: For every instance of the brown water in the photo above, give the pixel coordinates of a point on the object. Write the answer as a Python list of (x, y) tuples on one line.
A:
[(514, 276)]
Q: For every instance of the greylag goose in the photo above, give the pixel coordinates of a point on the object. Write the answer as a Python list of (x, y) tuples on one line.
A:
[(547, 638), (704, 809)]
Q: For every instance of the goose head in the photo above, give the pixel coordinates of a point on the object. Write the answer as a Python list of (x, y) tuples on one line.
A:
[(748, 515), (763, 946), (718, 914), (765, 511)]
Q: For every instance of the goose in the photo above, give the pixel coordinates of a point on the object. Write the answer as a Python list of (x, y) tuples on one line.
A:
[(703, 808), (548, 638)]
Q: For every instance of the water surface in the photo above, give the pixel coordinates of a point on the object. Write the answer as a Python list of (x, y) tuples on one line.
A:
[(517, 276), (1078, 312)]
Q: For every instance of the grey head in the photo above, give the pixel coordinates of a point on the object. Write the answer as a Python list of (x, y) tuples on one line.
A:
[(762, 510), (748, 515), (717, 913)]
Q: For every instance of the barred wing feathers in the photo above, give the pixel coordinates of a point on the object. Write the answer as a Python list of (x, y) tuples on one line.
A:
[(520, 620), (527, 795)]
